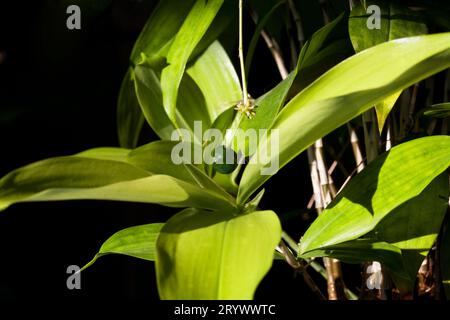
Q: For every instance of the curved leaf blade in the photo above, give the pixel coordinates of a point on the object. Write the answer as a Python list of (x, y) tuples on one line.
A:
[(396, 21), (129, 115), (138, 242), (216, 77), (402, 239), (191, 32), (440, 110), (81, 177), (155, 41), (346, 91), (215, 256), (389, 181)]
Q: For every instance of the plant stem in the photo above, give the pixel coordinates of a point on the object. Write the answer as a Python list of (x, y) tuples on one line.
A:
[(273, 46), (298, 23), (241, 53)]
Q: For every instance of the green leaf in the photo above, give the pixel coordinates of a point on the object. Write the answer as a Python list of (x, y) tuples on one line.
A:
[(80, 177), (192, 108), (327, 47), (363, 250), (129, 114), (397, 21), (389, 181), (383, 109), (269, 105), (343, 93), (201, 255), (441, 110), (149, 95), (156, 158), (106, 153), (414, 226), (138, 242), (216, 77), (401, 240), (191, 32), (155, 40), (191, 105)]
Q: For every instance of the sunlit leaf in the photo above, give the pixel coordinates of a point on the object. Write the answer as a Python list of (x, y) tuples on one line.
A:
[(390, 180), (93, 176), (401, 239), (396, 21), (203, 255), (346, 91), (138, 242), (216, 77), (191, 32)]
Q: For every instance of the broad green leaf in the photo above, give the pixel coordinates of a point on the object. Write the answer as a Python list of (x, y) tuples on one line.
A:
[(151, 49), (267, 108), (156, 158), (149, 95), (221, 24), (402, 238), (441, 110), (318, 41), (363, 250), (216, 77), (129, 114), (191, 32), (154, 40), (327, 47), (389, 181), (191, 105), (396, 21), (228, 181), (343, 93), (202, 255), (270, 103), (192, 108), (414, 226), (84, 178), (138, 242), (105, 153), (445, 258)]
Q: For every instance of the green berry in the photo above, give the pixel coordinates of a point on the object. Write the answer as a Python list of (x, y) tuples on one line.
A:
[(221, 164)]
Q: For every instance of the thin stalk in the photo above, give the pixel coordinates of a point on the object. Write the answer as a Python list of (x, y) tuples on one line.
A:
[(357, 154), (371, 135), (298, 23), (310, 262), (241, 53), (322, 195), (298, 267)]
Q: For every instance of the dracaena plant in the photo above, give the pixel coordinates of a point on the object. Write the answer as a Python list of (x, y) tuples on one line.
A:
[(220, 245)]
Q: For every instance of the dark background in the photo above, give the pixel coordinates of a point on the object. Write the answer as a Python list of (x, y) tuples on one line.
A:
[(58, 93)]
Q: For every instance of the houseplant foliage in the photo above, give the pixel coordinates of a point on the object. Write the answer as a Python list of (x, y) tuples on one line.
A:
[(220, 244)]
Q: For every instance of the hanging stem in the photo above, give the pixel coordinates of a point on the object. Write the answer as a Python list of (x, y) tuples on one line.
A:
[(241, 53)]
